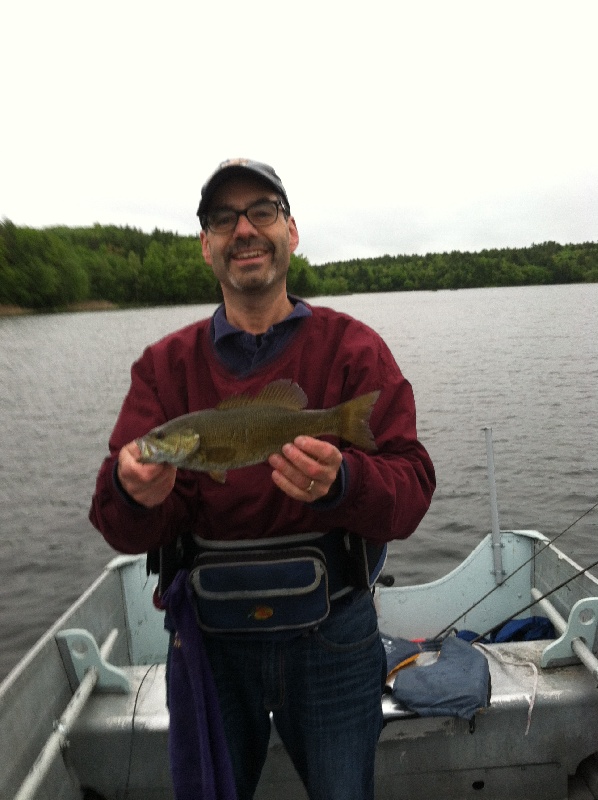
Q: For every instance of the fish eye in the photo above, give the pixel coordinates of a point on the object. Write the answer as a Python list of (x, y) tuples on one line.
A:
[(159, 435)]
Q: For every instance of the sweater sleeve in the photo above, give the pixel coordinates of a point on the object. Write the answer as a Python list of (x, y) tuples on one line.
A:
[(126, 525), (387, 492)]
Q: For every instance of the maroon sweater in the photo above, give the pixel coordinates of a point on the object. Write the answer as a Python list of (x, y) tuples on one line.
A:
[(333, 357)]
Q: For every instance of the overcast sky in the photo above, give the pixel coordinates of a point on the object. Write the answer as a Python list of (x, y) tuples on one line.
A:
[(396, 127)]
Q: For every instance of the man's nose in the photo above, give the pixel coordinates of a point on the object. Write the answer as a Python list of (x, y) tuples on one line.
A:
[(244, 226)]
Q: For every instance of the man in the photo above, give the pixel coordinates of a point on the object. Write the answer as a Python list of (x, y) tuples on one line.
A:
[(322, 682)]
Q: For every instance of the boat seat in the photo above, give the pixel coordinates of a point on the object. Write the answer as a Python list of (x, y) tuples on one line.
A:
[(130, 733), (509, 748)]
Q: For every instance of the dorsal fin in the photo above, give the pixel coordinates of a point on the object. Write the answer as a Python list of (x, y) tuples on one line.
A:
[(282, 394)]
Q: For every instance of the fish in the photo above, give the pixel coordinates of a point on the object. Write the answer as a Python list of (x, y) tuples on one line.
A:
[(244, 430)]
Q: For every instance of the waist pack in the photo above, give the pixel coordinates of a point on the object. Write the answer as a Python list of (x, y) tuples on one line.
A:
[(261, 590)]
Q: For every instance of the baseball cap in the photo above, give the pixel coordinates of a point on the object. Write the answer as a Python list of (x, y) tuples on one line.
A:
[(239, 166)]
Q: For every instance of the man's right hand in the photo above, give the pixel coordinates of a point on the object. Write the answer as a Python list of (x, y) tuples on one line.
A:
[(147, 484)]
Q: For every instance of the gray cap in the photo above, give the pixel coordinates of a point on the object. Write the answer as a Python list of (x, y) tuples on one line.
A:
[(239, 166)]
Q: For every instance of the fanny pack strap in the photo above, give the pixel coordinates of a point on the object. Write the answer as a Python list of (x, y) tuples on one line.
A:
[(352, 562)]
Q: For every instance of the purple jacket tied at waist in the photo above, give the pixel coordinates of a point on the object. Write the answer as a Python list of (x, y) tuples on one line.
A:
[(199, 759)]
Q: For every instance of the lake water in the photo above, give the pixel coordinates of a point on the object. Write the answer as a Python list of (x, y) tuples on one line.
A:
[(521, 360)]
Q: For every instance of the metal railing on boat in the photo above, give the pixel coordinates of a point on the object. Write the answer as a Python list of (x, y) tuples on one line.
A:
[(58, 740), (583, 619)]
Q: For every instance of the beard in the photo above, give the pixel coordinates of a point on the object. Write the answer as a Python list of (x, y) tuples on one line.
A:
[(260, 273)]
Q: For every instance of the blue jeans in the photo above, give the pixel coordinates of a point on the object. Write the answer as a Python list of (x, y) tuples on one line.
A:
[(323, 689)]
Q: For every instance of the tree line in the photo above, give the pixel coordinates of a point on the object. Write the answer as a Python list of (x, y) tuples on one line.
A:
[(56, 268)]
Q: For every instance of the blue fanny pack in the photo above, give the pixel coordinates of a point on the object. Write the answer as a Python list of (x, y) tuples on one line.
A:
[(276, 585), (261, 590)]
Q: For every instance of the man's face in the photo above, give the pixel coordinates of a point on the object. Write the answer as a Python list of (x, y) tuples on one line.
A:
[(249, 259)]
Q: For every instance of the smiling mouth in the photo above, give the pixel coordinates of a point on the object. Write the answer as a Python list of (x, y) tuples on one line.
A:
[(247, 255)]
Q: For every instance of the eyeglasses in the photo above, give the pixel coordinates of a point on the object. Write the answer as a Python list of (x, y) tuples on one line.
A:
[(260, 215)]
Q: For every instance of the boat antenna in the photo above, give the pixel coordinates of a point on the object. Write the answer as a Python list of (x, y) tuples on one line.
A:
[(499, 572), (537, 600)]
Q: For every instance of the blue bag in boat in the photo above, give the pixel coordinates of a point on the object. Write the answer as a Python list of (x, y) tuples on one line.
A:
[(457, 684), (516, 630), (525, 630)]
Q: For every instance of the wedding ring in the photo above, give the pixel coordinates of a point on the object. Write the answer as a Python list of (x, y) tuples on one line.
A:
[(311, 486)]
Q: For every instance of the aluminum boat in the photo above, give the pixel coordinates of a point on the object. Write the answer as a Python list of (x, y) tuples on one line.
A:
[(83, 715)]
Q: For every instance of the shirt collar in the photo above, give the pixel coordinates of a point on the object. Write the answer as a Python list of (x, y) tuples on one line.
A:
[(222, 326)]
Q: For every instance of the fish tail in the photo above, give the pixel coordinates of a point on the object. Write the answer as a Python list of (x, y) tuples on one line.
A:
[(355, 420)]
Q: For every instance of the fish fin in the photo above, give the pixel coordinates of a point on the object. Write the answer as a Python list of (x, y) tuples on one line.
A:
[(218, 476), (281, 394), (355, 420)]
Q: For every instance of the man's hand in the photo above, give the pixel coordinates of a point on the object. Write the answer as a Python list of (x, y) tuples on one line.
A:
[(147, 484), (306, 469)]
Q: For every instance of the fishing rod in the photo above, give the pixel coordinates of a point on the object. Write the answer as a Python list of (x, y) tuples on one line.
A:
[(512, 574), (537, 600)]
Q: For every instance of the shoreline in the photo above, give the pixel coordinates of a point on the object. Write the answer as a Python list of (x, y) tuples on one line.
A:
[(13, 311), (89, 305)]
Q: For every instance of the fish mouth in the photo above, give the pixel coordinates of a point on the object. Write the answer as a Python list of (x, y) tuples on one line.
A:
[(148, 452), (153, 450)]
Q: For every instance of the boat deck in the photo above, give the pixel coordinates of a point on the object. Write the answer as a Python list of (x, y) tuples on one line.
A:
[(500, 759)]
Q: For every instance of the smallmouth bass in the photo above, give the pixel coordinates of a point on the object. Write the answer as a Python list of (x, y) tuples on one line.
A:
[(244, 430)]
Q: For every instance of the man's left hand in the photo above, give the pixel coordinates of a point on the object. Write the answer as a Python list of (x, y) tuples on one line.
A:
[(306, 469)]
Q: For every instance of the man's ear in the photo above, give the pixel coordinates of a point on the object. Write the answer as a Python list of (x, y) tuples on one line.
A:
[(205, 248), (293, 235)]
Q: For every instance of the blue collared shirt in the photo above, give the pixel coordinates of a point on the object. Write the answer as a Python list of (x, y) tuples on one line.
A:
[(242, 352)]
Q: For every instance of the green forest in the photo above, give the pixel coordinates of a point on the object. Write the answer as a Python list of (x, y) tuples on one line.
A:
[(61, 268)]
